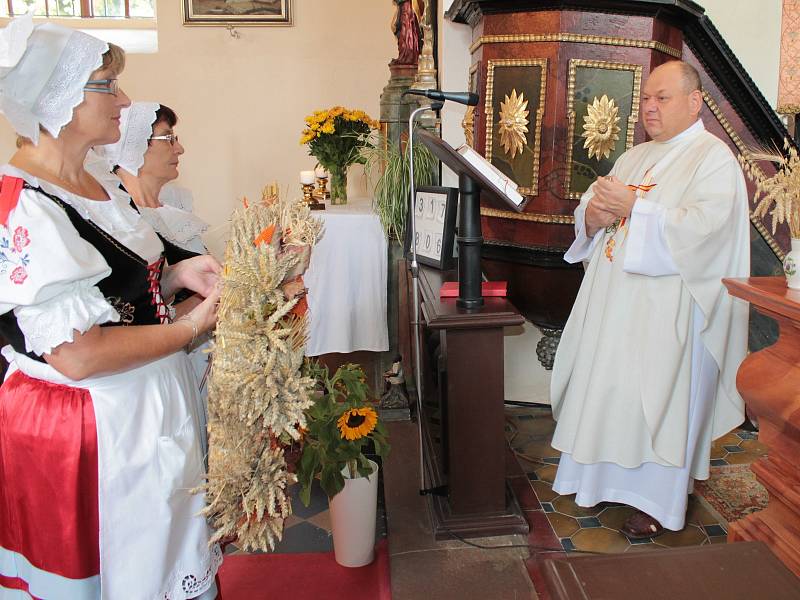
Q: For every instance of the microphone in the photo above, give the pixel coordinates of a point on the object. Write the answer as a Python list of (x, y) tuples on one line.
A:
[(467, 98)]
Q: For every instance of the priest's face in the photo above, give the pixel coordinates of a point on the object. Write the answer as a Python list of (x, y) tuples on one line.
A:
[(668, 108)]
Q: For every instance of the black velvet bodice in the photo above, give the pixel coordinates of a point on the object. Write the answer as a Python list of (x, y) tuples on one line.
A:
[(129, 288)]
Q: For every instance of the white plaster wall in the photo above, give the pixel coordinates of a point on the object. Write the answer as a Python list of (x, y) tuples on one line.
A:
[(241, 102)]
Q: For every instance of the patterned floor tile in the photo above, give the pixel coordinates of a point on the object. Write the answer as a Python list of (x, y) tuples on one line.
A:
[(304, 537), (718, 452), (564, 525), (639, 541), (588, 522), (600, 540), (566, 505), (729, 439), (697, 514), (741, 458), (614, 517), (322, 520), (544, 491), (596, 529), (753, 446), (715, 530), (690, 535), (546, 473)]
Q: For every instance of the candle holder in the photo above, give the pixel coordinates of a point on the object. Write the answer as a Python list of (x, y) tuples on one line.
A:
[(308, 197), (322, 193)]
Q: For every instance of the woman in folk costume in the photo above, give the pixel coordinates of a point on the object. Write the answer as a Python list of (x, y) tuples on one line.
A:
[(99, 447), (145, 159)]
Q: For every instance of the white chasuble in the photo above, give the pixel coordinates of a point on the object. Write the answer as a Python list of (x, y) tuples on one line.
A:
[(622, 385)]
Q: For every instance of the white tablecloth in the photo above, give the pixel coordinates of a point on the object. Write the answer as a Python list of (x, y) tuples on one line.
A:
[(346, 282)]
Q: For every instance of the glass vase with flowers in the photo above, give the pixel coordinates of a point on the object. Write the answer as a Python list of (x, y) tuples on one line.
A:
[(335, 137)]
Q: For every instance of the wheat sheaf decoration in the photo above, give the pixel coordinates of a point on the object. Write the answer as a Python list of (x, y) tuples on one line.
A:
[(257, 391), (778, 195)]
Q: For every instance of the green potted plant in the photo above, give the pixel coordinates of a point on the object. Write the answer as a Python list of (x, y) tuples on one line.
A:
[(341, 423), (387, 164)]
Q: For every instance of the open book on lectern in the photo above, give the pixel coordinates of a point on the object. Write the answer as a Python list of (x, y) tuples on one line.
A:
[(501, 182), (468, 162)]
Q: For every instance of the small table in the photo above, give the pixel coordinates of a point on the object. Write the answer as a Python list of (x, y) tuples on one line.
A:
[(346, 282)]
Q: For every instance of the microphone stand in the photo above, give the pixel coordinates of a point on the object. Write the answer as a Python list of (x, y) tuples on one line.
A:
[(435, 106)]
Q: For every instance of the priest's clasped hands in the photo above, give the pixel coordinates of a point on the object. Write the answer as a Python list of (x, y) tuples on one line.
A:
[(612, 201)]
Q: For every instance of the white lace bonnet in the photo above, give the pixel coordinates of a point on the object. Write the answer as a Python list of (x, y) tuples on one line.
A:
[(136, 127), (43, 70)]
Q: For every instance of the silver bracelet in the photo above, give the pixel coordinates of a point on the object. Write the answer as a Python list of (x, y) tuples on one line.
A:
[(188, 319)]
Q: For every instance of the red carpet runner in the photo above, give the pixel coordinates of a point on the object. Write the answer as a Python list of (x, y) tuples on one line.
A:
[(304, 577)]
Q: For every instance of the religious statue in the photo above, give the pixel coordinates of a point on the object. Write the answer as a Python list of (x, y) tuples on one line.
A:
[(405, 27)]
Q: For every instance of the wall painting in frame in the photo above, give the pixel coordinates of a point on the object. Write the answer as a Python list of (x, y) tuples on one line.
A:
[(237, 13)]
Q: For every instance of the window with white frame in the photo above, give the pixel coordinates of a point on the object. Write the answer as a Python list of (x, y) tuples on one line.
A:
[(80, 8)]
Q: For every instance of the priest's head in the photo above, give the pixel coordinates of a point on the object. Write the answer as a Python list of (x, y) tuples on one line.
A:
[(671, 100)]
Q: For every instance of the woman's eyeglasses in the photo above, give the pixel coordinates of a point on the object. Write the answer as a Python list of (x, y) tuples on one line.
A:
[(170, 137), (102, 86)]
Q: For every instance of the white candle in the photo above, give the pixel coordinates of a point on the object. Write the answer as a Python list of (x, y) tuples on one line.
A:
[(320, 172), (306, 177)]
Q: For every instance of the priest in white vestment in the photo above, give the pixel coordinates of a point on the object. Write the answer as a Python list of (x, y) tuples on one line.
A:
[(645, 374)]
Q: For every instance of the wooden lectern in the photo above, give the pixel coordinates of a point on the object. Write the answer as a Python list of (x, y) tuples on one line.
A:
[(463, 421)]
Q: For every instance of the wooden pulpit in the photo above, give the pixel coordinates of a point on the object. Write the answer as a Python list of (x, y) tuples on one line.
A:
[(769, 382), (560, 83)]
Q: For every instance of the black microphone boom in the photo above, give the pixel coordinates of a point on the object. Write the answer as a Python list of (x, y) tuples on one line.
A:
[(467, 98)]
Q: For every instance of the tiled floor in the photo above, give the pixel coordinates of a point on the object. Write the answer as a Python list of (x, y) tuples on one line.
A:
[(423, 567), (597, 529)]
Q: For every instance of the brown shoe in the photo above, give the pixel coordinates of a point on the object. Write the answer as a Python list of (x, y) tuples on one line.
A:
[(640, 526)]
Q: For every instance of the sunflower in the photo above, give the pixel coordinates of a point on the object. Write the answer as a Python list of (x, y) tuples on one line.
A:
[(356, 423)]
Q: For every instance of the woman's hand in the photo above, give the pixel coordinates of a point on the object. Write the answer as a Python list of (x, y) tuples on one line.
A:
[(198, 274), (204, 315)]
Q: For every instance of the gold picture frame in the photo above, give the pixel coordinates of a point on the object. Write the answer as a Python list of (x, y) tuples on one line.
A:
[(574, 65), (534, 117), (237, 13)]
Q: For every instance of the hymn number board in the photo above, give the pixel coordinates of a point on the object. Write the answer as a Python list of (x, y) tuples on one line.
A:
[(435, 220)]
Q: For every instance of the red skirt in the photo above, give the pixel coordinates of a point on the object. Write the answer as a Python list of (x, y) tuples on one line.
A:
[(49, 526)]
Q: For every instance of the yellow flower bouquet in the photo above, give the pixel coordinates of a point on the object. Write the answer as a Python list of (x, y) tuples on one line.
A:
[(335, 138), (340, 427)]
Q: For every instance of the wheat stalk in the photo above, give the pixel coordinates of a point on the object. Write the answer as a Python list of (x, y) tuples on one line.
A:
[(778, 195), (257, 394)]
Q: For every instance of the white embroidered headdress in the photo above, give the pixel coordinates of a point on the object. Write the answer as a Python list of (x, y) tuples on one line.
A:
[(136, 127), (43, 70)]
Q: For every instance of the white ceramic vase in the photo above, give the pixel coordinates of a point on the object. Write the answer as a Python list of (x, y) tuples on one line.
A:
[(353, 519), (791, 265)]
